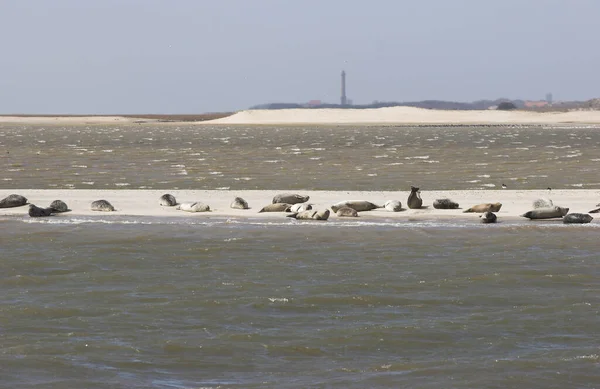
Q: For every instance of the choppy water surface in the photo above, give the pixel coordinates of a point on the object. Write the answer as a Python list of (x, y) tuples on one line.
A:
[(310, 158)]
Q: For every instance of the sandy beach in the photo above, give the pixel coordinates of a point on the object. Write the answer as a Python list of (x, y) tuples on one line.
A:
[(146, 202)]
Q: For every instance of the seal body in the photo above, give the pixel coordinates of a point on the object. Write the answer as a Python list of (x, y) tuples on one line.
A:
[(414, 198), (542, 203), (489, 207), (357, 205), (597, 210), (278, 207), (102, 205), (167, 200), (39, 212), (577, 218), (193, 207), (445, 204), (488, 217), (346, 212), (546, 213), (290, 198), (13, 200), (300, 207), (393, 205), (239, 203), (59, 206), (311, 215)]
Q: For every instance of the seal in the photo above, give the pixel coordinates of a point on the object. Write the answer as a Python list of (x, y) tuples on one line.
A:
[(357, 205), (488, 217), (59, 206), (278, 207), (346, 212), (542, 203), (546, 213), (414, 198), (239, 203), (300, 207), (167, 200), (290, 198), (311, 215), (393, 205), (39, 212), (445, 204), (577, 218), (489, 207), (193, 207), (597, 210), (13, 200), (102, 205)]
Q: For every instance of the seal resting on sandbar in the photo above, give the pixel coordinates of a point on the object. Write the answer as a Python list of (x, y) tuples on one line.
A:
[(414, 198), (39, 212), (193, 207), (290, 198), (445, 204), (480, 208), (59, 206), (346, 212), (278, 207), (102, 205), (300, 207), (357, 205), (488, 217), (239, 203), (311, 215), (546, 213), (577, 218), (167, 200), (597, 210), (13, 200), (393, 205), (542, 203)]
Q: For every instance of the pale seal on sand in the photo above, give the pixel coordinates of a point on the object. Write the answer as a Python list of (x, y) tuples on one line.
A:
[(167, 200), (577, 218), (488, 217), (346, 212), (279, 207), (193, 207), (59, 206), (300, 207), (13, 200), (39, 212), (239, 203), (445, 204), (489, 207), (290, 198), (546, 213), (393, 205), (357, 205), (542, 203), (102, 205), (311, 215), (414, 198)]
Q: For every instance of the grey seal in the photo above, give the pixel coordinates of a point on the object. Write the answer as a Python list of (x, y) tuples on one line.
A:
[(300, 207), (39, 212), (414, 198), (59, 206), (346, 212), (445, 204), (278, 207), (393, 205), (290, 198), (102, 205), (546, 213), (542, 203), (167, 200), (488, 217), (311, 215), (196, 206), (597, 210), (488, 207), (577, 218), (13, 200), (239, 203), (357, 205)]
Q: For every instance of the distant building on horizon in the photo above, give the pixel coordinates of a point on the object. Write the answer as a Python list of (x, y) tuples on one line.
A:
[(344, 99)]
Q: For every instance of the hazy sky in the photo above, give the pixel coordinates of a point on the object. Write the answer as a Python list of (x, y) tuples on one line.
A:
[(193, 56)]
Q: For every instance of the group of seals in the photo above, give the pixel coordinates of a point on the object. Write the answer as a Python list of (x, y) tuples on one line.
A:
[(57, 206)]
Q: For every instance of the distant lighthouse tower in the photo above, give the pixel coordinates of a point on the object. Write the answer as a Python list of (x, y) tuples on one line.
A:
[(344, 100)]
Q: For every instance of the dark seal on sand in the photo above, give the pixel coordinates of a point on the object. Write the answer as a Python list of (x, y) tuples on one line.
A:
[(357, 205), (290, 198), (278, 207), (577, 218), (167, 200), (414, 198), (445, 204), (488, 217), (13, 200), (59, 206), (39, 212), (102, 205), (546, 213), (346, 212), (239, 203)]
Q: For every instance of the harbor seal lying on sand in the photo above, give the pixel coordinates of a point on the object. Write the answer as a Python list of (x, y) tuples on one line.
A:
[(488, 217), (102, 205), (346, 212), (577, 218), (278, 207), (357, 205), (546, 213), (393, 205), (311, 215), (239, 203), (542, 203), (290, 198), (13, 200), (597, 210), (300, 207), (167, 200), (445, 204), (193, 207), (59, 206), (39, 212), (489, 207), (414, 198)]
